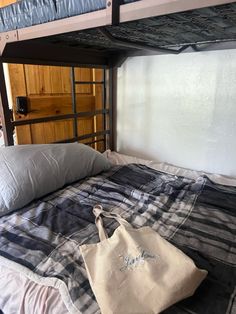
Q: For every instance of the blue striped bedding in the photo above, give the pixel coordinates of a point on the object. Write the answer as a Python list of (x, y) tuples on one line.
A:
[(26, 13), (198, 216)]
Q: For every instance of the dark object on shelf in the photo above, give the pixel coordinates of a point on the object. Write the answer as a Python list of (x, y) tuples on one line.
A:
[(22, 105)]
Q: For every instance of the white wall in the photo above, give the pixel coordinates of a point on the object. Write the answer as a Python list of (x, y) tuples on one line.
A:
[(180, 109)]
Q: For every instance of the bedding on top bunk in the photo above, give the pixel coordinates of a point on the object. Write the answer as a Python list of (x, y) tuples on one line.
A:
[(198, 216), (26, 13), (200, 26)]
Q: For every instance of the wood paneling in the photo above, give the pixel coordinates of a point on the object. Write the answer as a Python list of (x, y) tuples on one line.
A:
[(41, 80), (85, 75), (3, 3), (18, 88), (48, 91), (45, 106)]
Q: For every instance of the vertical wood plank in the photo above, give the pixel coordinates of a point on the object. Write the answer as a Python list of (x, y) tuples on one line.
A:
[(56, 80), (44, 80), (32, 79), (18, 88), (84, 75), (66, 80), (63, 130), (5, 114), (38, 134), (17, 80)]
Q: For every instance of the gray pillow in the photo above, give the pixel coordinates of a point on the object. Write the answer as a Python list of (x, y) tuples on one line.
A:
[(28, 172)]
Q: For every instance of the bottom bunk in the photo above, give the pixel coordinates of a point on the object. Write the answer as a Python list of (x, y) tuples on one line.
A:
[(40, 260)]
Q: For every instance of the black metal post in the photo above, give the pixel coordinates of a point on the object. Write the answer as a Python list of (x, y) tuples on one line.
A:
[(112, 106), (73, 92), (104, 107), (115, 10)]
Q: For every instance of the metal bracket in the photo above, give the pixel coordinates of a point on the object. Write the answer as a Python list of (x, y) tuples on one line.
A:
[(7, 37), (116, 11), (138, 46), (113, 11)]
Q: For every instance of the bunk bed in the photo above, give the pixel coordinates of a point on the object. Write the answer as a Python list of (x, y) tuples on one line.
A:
[(195, 214), (104, 33)]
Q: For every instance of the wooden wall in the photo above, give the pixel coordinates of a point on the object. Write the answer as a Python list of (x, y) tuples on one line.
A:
[(3, 3), (48, 92)]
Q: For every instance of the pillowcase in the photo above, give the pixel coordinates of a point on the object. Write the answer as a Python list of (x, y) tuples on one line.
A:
[(28, 172)]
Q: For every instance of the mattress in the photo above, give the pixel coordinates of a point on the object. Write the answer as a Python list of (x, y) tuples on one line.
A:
[(26, 13), (172, 31), (200, 27), (41, 241)]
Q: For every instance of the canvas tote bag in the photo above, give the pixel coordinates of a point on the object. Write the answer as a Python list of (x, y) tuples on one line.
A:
[(136, 270)]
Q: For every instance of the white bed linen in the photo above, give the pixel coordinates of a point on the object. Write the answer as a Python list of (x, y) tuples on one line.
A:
[(19, 295), (121, 159)]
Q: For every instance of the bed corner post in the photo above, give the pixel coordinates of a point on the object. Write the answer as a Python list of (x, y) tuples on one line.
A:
[(113, 11), (113, 106), (4, 110)]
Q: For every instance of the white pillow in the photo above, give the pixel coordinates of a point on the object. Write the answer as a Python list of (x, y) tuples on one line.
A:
[(28, 172)]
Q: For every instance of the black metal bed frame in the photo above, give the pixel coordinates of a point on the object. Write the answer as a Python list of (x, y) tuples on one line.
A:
[(77, 58), (26, 50), (104, 112)]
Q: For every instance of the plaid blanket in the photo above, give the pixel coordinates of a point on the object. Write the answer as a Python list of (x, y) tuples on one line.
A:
[(197, 216)]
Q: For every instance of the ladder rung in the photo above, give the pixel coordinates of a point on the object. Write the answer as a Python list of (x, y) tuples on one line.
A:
[(88, 82)]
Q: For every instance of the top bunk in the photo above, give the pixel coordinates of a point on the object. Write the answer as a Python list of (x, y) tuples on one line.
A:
[(104, 32)]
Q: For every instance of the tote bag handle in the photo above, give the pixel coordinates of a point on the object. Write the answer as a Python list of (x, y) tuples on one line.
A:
[(98, 212)]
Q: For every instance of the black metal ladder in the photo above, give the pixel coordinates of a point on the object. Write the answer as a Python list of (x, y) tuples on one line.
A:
[(105, 111)]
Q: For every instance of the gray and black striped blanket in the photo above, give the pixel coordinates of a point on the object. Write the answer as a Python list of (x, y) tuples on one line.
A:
[(197, 216)]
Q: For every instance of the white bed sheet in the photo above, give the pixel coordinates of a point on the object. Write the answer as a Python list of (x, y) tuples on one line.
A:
[(122, 159), (20, 295)]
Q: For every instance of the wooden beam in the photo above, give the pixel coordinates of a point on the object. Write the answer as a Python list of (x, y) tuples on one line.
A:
[(7, 37), (5, 111), (150, 8), (65, 25)]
